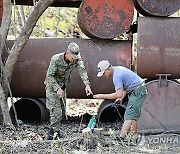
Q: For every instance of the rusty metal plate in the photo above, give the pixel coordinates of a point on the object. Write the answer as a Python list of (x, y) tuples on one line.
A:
[(158, 47), (160, 110), (157, 7), (105, 19), (29, 74)]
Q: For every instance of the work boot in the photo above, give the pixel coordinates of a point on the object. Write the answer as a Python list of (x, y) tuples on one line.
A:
[(120, 140), (139, 140), (50, 134), (57, 135)]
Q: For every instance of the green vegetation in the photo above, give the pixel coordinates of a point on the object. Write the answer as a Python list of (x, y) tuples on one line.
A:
[(55, 22)]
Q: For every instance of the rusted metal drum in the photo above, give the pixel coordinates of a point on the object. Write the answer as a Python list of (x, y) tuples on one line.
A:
[(157, 7), (158, 47), (26, 106), (160, 111), (108, 112), (105, 19), (30, 70)]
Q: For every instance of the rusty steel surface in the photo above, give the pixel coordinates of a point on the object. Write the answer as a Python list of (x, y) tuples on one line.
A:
[(105, 19), (29, 74), (56, 3), (160, 110), (158, 47), (157, 7)]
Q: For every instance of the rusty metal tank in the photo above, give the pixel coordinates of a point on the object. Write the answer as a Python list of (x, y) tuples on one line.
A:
[(158, 47), (29, 74), (160, 111), (161, 8), (105, 19)]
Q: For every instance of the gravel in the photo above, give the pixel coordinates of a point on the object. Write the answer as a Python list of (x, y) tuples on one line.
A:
[(31, 138)]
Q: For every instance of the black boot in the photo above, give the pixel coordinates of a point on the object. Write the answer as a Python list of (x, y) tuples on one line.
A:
[(50, 134)]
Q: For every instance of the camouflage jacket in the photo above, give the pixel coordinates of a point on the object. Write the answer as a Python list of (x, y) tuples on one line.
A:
[(59, 71)]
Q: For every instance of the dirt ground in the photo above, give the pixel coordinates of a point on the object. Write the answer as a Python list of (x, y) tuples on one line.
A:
[(30, 138)]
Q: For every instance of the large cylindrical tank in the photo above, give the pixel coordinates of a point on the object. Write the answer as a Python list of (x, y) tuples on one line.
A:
[(160, 111), (158, 47), (29, 74), (161, 8), (105, 19)]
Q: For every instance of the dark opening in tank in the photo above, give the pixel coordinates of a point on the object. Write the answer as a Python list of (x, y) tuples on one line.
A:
[(29, 110), (108, 112)]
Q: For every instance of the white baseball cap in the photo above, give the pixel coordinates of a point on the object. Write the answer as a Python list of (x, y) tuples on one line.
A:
[(102, 66)]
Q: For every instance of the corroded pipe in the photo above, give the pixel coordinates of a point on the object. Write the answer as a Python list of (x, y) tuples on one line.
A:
[(29, 74), (26, 106)]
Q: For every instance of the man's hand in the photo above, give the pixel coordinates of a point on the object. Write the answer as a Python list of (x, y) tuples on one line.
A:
[(88, 90), (60, 92), (118, 102)]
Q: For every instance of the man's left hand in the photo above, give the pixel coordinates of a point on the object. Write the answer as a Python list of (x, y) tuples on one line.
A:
[(88, 90)]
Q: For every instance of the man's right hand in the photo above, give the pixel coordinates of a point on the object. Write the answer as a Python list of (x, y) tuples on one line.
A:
[(60, 92), (118, 102)]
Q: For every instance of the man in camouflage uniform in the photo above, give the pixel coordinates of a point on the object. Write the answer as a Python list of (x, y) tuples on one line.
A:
[(57, 77)]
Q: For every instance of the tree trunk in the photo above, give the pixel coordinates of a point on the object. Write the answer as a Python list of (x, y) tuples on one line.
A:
[(14, 54), (19, 44), (4, 107), (6, 20)]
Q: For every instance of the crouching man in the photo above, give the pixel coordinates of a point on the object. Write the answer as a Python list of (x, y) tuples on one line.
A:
[(125, 82)]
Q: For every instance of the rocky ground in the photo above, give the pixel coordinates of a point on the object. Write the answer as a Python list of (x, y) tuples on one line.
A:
[(30, 138)]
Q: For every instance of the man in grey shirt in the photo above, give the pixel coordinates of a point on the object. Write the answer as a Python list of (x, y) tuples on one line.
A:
[(125, 82)]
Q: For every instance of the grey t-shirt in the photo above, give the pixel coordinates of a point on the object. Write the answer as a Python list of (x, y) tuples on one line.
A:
[(125, 78)]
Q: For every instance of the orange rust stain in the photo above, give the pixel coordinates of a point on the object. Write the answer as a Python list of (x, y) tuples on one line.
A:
[(112, 8)]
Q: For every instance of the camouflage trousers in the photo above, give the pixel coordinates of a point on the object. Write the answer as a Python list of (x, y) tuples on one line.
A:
[(56, 106)]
